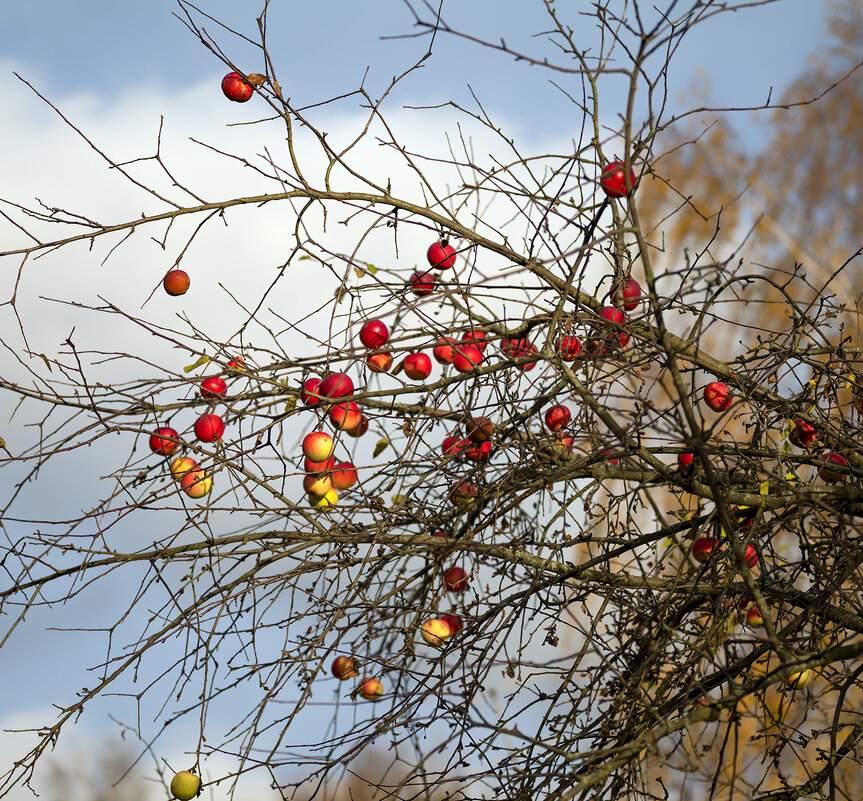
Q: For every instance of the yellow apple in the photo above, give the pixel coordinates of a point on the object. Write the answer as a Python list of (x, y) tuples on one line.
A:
[(435, 631), (185, 785)]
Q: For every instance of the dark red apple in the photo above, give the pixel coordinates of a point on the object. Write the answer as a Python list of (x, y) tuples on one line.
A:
[(703, 548), (213, 387), (557, 417), (479, 429), (455, 579), (568, 348), (164, 441), (441, 255), (176, 282), (418, 366), (831, 476), (336, 385), (627, 295), (717, 397), (311, 388), (209, 427), (374, 334), (613, 179), (616, 317), (422, 284), (454, 623), (235, 87), (802, 434)]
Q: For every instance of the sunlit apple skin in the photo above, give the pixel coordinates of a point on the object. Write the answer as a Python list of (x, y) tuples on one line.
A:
[(161, 441), (831, 476), (615, 316), (557, 417), (800, 680), (613, 179), (441, 256), (344, 476), (568, 348), (326, 501), (318, 467), (176, 282), (213, 387), (196, 483), (237, 364), (702, 548), (717, 396), (475, 336), (336, 385), (345, 667), (318, 446), (466, 358), (626, 296), (360, 428), (374, 334), (235, 87), (185, 786), (422, 284), (453, 444), (802, 434), (454, 623), (311, 390), (371, 689), (685, 461), (209, 427), (564, 442), (345, 416), (317, 484), (435, 631), (443, 352), (455, 579), (182, 465), (379, 362), (479, 451), (479, 429), (418, 366)]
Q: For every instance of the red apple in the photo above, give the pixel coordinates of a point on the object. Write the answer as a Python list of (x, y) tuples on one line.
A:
[(235, 87), (802, 434), (182, 465), (479, 429), (444, 352), (466, 358), (237, 364), (317, 484), (360, 428), (344, 475), (478, 452), (371, 689), (441, 534), (557, 417), (318, 446), (418, 366), (703, 548), (616, 317), (454, 623), (611, 461), (196, 483), (213, 387), (379, 362), (754, 618), (831, 476), (209, 427), (345, 667), (374, 334), (336, 385), (422, 283), (441, 255), (717, 397), (475, 336), (455, 579), (176, 282), (454, 444), (685, 461), (311, 390), (345, 416), (626, 295), (164, 441), (462, 493), (568, 348), (613, 179), (751, 555), (743, 519), (318, 467)]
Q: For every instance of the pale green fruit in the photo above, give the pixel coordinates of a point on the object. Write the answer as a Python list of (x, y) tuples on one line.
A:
[(185, 786)]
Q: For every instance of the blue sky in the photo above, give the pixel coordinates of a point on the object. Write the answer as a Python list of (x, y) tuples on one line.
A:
[(115, 67)]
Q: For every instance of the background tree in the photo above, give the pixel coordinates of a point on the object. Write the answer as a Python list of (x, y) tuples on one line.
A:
[(593, 646)]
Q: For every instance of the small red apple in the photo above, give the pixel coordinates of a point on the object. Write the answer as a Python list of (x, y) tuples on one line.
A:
[(345, 667), (455, 579), (751, 555), (444, 352), (422, 284), (209, 427), (318, 467), (475, 336), (310, 394), (802, 434), (235, 87), (466, 358), (418, 366), (213, 387), (627, 295), (685, 461), (318, 446), (613, 460), (478, 452), (164, 441), (703, 548), (196, 483), (374, 334), (831, 476), (613, 179), (568, 348), (237, 364), (557, 417), (754, 618), (345, 416), (344, 476), (616, 317), (379, 362), (454, 444), (441, 255), (176, 282), (717, 397), (336, 385), (454, 623), (441, 534), (595, 349)]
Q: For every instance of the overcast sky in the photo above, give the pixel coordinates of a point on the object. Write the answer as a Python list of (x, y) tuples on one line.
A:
[(115, 67)]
